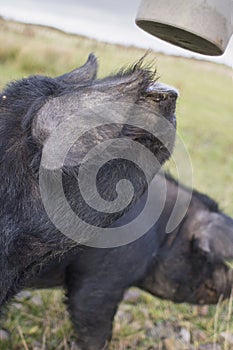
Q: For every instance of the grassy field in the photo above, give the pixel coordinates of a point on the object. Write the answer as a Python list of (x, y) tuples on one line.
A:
[(205, 123)]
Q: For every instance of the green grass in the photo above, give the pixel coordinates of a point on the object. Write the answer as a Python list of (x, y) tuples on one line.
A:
[(205, 122)]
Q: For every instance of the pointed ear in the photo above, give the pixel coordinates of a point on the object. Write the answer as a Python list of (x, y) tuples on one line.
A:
[(87, 72), (215, 236)]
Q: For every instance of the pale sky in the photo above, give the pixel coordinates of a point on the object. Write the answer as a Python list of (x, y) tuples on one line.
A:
[(107, 20)]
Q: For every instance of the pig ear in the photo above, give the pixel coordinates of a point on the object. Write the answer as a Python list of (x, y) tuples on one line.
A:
[(215, 238), (87, 72)]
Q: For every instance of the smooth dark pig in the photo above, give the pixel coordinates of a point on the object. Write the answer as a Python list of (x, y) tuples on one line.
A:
[(187, 265), (193, 262)]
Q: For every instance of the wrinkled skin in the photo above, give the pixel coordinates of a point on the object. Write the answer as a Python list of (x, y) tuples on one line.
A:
[(187, 265), (30, 110)]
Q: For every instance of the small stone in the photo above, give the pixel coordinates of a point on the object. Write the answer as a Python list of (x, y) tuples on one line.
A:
[(202, 310), (4, 335), (163, 331), (228, 337), (136, 326), (37, 300), (185, 335), (145, 312), (198, 336), (132, 296), (169, 344), (210, 347), (23, 295), (175, 344), (37, 345), (17, 306), (124, 316)]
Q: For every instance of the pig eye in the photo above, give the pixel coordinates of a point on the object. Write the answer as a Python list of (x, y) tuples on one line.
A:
[(158, 97)]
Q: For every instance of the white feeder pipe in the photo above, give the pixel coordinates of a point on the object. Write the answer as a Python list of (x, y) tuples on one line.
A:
[(203, 26)]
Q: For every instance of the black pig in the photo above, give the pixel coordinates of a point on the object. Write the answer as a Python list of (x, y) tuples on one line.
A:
[(30, 111), (187, 265), (33, 251)]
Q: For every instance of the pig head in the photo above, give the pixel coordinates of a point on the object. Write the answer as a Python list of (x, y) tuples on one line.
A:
[(192, 264)]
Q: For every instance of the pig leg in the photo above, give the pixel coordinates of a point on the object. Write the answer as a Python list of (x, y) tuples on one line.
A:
[(92, 303)]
